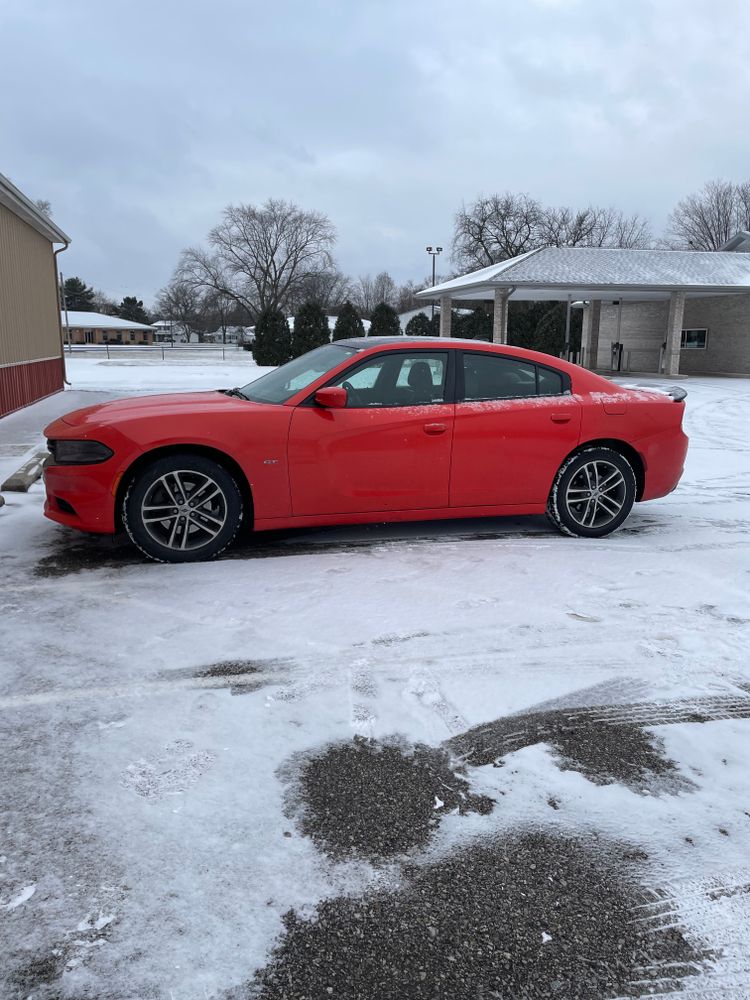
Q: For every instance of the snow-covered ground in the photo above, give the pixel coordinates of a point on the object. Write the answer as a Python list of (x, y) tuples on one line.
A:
[(158, 720)]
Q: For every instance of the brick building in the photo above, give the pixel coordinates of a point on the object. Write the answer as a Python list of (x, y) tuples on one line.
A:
[(98, 328), (659, 311)]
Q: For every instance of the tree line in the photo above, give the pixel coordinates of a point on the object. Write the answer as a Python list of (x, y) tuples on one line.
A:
[(276, 259), (77, 296)]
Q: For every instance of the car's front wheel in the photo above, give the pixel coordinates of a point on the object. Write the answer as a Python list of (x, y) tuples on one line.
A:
[(182, 508), (593, 493)]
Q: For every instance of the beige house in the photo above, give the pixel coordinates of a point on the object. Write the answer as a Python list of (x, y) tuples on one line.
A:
[(658, 311), (98, 328), (31, 357)]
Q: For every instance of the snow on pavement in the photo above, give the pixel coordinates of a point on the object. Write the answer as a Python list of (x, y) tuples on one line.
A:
[(158, 720)]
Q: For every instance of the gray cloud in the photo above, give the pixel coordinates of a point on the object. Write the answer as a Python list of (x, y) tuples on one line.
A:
[(140, 122)]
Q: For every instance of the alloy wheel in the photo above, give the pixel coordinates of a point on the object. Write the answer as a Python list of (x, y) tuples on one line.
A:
[(596, 494), (184, 510)]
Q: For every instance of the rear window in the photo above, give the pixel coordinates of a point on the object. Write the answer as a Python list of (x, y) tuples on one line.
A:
[(494, 376)]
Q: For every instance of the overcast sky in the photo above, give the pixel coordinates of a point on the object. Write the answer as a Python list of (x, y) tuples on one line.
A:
[(141, 121)]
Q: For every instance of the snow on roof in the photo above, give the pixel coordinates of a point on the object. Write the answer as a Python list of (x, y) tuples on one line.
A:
[(17, 202), (590, 268), (100, 321)]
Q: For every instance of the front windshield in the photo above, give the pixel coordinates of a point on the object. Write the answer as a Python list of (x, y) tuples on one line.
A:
[(284, 382)]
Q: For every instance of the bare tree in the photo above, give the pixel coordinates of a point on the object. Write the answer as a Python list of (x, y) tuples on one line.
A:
[(44, 207), (327, 289), (407, 296), (594, 227), (103, 303), (181, 303), (495, 228), (742, 194), (384, 289), (216, 310), (501, 226), (706, 220), (368, 292), (260, 257), (363, 296)]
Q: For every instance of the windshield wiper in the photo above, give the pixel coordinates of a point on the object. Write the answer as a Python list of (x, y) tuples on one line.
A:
[(234, 392)]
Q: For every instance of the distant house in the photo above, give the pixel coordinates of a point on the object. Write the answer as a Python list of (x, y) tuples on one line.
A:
[(232, 335), (31, 356), (170, 331), (97, 328)]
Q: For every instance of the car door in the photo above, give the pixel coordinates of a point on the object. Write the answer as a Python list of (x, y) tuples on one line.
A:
[(516, 421), (389, 449)]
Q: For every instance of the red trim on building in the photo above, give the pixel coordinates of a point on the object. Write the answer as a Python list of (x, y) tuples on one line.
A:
[(27, 382)]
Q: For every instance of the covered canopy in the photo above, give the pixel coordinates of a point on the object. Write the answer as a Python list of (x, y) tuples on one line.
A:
[(554, 273)]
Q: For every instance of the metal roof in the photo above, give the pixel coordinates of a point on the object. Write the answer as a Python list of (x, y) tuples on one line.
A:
[(598, 272), (17, 202)]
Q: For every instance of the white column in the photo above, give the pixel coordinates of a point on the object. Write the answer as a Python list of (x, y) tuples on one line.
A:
[(445, 316), (674, 333), (590, 333), (500, 317)]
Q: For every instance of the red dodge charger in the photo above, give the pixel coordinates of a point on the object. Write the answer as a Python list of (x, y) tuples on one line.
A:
[(364, 430)]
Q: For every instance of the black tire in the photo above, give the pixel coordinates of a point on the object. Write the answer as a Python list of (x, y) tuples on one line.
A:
[(191, 529), (593, 493)]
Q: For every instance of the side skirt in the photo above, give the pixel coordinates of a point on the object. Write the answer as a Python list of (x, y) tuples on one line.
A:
[(397, 516)]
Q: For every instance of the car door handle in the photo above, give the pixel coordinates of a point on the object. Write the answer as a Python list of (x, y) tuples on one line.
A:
[(560, 418), (435, 428)]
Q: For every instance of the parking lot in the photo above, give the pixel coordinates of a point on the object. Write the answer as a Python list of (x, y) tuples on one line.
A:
[(470, 758)]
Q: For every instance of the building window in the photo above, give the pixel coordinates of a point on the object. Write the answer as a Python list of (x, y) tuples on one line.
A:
[(694, 340)]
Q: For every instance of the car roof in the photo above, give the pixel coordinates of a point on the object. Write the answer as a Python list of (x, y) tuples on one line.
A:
[(584, 378), (403, 341)]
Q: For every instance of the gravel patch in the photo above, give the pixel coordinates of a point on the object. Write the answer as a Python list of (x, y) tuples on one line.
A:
[(376, 800), (524, 918), (605, 752)]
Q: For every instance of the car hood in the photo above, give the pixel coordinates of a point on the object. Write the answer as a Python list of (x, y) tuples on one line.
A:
[(171, 404)]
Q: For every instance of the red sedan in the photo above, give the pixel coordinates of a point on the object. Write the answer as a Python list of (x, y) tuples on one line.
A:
[(365, 430)]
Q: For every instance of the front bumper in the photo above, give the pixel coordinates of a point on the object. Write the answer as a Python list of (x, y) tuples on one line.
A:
[(81, 496)]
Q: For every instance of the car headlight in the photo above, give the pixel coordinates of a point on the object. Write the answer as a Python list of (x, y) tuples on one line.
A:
[(67, 452)]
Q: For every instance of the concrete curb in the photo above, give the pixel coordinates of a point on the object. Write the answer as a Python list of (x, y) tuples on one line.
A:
[(27, 475)]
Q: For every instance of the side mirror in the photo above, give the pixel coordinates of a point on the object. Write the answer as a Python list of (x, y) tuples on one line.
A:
[(333, 397)]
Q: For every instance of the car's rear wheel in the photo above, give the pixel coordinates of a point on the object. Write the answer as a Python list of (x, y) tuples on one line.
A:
[(182, 508), (593, 493)]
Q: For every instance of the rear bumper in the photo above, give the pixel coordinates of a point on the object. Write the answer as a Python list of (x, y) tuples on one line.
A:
[(664, 457), (80, 497)]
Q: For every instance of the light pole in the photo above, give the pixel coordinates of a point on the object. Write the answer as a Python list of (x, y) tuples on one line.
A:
[(433, 252)]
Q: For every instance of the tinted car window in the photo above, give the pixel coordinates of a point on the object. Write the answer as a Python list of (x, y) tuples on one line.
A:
[(550, 383), (399, 379), (488, 376)]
